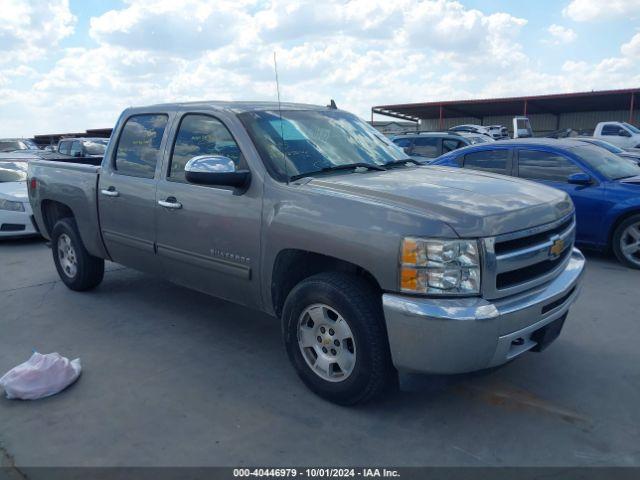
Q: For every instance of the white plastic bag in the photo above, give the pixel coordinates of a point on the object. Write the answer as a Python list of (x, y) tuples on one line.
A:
[(40, 376)]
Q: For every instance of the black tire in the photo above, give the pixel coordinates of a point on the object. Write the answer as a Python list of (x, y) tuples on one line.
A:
[(361, 307), (617, 241), (89, 269)]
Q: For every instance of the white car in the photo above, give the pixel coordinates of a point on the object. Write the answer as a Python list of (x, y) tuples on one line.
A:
[(15, 210)]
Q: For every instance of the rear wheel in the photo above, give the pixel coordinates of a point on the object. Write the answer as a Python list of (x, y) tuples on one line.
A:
[(626, 242), (77, 268), (335, 337)]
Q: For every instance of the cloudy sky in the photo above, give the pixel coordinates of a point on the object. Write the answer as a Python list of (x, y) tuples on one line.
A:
[(68, 65)]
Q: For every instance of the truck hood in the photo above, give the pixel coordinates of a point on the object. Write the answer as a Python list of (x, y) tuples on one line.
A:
[(474, 204), (15, 191)]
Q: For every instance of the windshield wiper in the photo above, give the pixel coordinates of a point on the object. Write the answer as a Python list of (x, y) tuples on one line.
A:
[(402, 162), (348, 166)]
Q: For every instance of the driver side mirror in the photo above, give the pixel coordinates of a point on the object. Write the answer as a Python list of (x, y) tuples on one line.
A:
[(623, 133), (215, 170), (580, 179), (406, 150)]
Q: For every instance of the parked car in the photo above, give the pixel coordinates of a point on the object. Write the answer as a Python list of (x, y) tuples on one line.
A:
[(478, 129), (15, 144), (604, 187), (622, 134), (372, 262), (498, 132), (426, 146), (632, 154), (15, 210), (83, 147)]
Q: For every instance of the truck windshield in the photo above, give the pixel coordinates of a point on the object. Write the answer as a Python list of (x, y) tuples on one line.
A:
[(631, 127), (13, 172), (608, 164), (308, 141)]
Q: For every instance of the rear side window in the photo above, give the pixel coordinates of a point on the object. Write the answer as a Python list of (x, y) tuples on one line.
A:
[(64, 147), (488, 160), (139, 145), (539, 165), (201, 135), (610, 129), (403, 142), (425, 147)]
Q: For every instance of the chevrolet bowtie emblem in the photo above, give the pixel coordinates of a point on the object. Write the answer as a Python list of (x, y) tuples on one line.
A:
[(556, 248)]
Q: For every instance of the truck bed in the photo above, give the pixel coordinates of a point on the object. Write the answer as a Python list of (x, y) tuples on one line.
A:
[(63, 184)]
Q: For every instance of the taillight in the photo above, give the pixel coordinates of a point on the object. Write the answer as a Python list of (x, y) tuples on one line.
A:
[(33, 184)]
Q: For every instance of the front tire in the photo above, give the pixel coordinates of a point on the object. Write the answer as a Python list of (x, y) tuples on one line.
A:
[(626, 242), (77, 268), (335, 337)]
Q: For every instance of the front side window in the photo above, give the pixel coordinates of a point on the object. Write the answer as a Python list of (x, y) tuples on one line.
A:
[(450, 145), (201, 135), (610, 129), (539, 165), (64, 148), (425, 147), (488, 160), (403, 142), (298, 142), (138, 149)]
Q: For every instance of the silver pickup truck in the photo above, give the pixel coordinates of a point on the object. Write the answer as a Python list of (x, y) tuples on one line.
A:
[(374, 264)]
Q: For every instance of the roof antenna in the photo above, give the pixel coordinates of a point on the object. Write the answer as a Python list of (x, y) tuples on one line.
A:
[(332, 105), (284, 155)]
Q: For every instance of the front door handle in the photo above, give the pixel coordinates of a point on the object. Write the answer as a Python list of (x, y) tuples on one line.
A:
[(170, 202), (110, 192)]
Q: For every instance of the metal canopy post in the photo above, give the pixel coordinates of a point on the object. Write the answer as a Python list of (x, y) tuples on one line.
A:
[(633, 95), (440, 120)]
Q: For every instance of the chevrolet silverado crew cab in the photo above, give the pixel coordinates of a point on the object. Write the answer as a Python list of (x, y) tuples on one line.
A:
[(373, 263)]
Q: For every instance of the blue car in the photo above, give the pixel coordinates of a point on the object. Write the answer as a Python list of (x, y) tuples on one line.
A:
[(604, 187)]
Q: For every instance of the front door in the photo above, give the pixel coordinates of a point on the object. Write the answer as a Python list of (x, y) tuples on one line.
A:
[(553, 169), (127, 192), (208, 237)]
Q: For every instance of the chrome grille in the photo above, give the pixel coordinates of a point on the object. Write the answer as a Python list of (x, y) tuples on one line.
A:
[(518, 261)]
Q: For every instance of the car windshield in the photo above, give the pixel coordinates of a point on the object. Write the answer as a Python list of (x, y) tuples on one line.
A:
[(606, 145), (608, 164), (96, 147), (308, 141), (631, 127), (13, 172)]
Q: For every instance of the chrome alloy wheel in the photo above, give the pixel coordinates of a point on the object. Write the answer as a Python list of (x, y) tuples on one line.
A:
[(326, 342), (67, 256), (630, 243)]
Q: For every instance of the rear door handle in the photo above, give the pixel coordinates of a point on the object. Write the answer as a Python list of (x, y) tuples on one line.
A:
[(110, 192), (170, 202)]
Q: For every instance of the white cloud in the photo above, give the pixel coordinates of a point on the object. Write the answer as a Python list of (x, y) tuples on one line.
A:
[(359, 52), (589, 10), (560, 35), (27, 29)]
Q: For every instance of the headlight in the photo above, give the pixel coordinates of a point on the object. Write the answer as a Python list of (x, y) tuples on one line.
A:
[(440, 267), (9, 205)]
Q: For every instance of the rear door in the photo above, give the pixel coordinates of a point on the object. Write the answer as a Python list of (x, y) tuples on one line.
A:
[(553, 169), (127, 191), (208, 236)]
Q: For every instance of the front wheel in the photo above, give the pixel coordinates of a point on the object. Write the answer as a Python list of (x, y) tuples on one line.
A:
[(77, 268), (335, 337), (626, 242)]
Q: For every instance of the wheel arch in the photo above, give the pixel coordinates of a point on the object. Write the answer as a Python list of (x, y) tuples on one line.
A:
[(291, 266), (52, 211), (616, 223)]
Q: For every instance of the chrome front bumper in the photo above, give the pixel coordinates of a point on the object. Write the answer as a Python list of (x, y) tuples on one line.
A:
[(462, 335)]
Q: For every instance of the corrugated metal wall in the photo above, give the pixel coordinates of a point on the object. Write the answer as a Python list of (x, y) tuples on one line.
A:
[(540, 123)]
